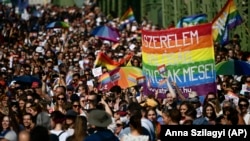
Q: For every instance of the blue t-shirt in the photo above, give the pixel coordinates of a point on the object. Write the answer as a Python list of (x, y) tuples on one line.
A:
[(102, 135)]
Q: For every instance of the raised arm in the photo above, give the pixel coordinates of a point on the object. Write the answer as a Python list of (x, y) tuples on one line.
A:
[(170, 88), (178, 90)]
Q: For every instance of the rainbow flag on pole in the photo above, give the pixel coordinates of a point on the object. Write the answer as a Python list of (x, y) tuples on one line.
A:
[(228, 18), (188, 55), (128, 15)]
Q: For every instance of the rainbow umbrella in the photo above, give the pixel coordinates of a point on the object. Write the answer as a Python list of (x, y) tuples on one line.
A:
[(57, 24), (106, 33), (124, 77), (232, 67)]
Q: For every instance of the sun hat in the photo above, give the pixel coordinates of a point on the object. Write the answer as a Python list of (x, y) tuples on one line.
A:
[(40, 49), (99, 118)]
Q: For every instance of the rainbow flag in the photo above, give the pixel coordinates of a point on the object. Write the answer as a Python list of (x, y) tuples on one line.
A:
[(124, 77), (227, 19), (128, 15), (188, 55), (103, 60), (192, 20), (105, 78)]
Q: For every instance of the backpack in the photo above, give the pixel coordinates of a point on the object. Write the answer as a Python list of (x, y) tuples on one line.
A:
[(3, 133), (54, 137)]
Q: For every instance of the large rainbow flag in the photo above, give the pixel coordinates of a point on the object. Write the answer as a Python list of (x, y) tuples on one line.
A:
[(187, 53), (128, 15), (228, 18)]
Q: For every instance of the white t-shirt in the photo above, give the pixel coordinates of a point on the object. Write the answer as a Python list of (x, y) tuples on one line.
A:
[(247, 118), (70, 131), (11, 136), (130, 137)]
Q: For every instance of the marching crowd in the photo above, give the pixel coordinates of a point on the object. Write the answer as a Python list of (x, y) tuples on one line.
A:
[(67, 105)]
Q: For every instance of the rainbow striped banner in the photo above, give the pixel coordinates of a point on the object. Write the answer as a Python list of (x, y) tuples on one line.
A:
[(188, 54)]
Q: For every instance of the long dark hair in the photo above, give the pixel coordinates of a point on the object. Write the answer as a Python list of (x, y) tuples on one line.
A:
[(135, 122), (213, 116), (13, 123)]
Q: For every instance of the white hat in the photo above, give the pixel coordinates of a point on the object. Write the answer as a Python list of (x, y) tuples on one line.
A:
[(75, 59), (40, 49), (106, 42), (120, 54), (11, 136), (3, 69), (12, 83)]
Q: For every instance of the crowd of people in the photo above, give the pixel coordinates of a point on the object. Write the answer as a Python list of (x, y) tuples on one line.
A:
[(67, 105)]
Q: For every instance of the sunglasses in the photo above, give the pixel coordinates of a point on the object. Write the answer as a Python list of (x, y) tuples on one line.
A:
[(211, 99), (60, 98), (90, 100), (111, 101), (243, 105), (118, 125), (76, 106)]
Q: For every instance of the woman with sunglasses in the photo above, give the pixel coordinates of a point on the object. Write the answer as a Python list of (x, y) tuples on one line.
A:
[(243, 105), (60, 104), (231, 115), (76, 106)]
